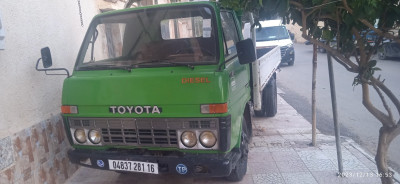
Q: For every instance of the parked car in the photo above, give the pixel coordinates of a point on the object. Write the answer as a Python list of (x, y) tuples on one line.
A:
[(332, 44), (320, 49), (389, 49), (273, 33)]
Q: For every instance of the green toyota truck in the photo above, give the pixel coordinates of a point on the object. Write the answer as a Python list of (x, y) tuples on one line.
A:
[(166, 89)]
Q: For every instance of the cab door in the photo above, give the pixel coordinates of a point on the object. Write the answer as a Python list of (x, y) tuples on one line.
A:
[(239, 77)]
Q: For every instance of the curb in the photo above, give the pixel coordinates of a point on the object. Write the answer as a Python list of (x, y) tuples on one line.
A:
[(356, 146)]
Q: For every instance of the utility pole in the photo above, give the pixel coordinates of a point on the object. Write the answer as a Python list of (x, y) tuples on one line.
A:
[(335, 115), (313, 98)]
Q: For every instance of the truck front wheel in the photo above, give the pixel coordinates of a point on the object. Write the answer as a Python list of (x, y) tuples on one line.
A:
[(240, 169)]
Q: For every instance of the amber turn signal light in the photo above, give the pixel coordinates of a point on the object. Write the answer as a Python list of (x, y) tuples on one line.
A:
[(214, 108), (67, 109)]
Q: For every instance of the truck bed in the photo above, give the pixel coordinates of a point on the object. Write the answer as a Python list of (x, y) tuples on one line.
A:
[(262, 71)]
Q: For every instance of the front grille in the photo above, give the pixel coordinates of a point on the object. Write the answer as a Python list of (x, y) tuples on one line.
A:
[(142, 131), (77, 123), (86, 123)]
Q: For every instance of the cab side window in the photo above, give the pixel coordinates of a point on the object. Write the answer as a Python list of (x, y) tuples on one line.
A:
[(230, 33)]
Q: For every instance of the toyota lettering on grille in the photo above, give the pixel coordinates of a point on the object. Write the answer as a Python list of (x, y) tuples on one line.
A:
[(135, 109)]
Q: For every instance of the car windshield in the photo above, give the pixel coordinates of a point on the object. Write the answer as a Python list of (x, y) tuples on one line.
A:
[(149, 38), (271, 33)]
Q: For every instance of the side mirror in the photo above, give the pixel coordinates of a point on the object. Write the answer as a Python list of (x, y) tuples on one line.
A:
[(246, 51), (47, 62), (46, 57)]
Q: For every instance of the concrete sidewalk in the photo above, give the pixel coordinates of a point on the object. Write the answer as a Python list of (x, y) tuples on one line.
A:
[(279, 153)]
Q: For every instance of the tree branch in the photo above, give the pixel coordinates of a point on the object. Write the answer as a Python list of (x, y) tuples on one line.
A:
[(312, 11), (299, 5), (388, 92), (338, 29), (369, 25), (344, 64), (383, 101), (327, 17), (375, 48), (347, 63), (394, 133), (361, 47), (354, 52), (378, 31), (347, 7), (382, 117), (352, 66)]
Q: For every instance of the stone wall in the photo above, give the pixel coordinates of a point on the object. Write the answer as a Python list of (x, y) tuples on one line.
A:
[(33, 149), (37, 154), (28, 96)]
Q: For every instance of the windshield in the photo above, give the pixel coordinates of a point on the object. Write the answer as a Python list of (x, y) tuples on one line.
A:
[(271, 33), (150, 37)]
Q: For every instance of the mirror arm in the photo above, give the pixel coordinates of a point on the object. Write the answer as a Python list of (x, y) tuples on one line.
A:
[(51, 69), (223, 63)]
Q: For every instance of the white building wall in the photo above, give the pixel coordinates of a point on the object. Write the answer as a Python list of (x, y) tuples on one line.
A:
[(28, 96), (297, 32), (33, 144)]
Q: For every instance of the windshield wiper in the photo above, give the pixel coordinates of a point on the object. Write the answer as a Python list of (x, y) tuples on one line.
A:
[(129, 67), (105, 66), (181, 64), (164, 61)]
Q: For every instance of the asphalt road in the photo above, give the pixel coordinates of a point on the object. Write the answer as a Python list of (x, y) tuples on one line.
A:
[(355, 121)]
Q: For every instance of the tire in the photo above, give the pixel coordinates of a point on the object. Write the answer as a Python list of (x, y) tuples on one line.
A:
[(240, 169), (249, 123), (260, 113), (271, 102)]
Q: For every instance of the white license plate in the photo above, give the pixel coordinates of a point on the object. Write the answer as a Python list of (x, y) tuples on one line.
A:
[(133, 166)]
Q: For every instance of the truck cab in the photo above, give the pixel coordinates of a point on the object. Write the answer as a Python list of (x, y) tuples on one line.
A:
[(165, 89)]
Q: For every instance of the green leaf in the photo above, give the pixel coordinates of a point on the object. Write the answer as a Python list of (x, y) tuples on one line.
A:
[(372, 63), (377, 69), (356, 80), (327, 34), (316, 2), (317, 33)]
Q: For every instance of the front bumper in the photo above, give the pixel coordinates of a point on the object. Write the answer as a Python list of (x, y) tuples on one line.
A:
[(209, 165)]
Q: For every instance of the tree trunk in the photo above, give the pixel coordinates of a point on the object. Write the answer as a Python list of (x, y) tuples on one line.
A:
[(313, 101), (385, 138)]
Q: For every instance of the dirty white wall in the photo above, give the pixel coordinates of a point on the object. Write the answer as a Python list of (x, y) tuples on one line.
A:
[(26, 95), (297, 32)]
